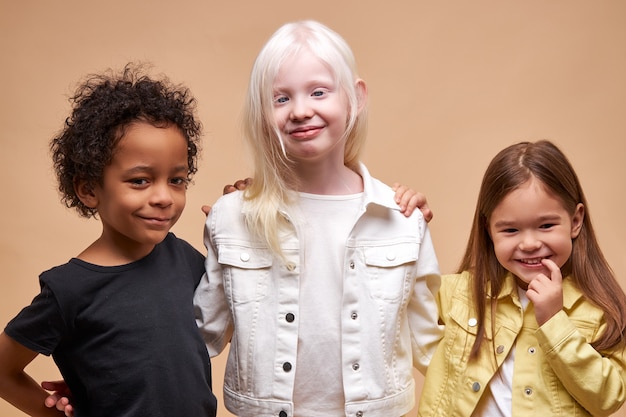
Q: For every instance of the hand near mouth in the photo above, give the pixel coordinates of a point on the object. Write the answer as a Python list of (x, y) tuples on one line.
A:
[(546, 293)]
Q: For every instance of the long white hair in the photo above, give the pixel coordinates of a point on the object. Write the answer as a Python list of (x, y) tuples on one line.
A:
[(274, 179)]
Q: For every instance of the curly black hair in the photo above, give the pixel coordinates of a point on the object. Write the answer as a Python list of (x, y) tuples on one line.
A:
[(102, 107)]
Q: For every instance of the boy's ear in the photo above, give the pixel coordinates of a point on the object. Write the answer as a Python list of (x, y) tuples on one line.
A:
[(85, 192), (361, 93)]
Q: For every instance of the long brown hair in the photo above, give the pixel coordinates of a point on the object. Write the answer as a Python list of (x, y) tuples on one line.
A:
[(587, 266)]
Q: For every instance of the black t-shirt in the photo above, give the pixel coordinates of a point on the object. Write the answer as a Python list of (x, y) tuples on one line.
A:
[(124, 337)]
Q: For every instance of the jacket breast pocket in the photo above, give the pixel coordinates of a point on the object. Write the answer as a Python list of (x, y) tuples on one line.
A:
[(246, 272), (390, 270), (461, 328)]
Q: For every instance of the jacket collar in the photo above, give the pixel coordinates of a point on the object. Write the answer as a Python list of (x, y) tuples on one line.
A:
[(376, 192)]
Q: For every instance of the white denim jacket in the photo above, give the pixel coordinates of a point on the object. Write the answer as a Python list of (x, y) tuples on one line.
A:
[(389, 311)]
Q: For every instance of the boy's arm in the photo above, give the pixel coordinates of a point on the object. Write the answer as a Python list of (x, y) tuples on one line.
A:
[(17, 387)]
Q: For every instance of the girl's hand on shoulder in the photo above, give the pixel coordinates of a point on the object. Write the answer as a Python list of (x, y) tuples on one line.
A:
[(546, 293), (409, 199)]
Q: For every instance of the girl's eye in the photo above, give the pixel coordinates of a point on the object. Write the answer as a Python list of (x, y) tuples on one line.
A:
[(546, 226), (318, 93), (281, 100), (510, 230)]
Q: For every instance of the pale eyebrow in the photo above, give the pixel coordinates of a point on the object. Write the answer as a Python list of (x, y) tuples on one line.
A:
[(322, 81)]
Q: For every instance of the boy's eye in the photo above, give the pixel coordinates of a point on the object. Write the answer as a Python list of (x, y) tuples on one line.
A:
[(179, 181), (546, 226), (138, 181)]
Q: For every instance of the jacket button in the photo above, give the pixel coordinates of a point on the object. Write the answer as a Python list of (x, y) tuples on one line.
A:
[(290, 317), (532, 350), (476, 386), (500, 349), (391, 256), (244, 256), (286, 367), (351, 264), (354, 315), (291, 266), (472, 322), (356, 366), (359, 414), (528, 391), (282, 414)]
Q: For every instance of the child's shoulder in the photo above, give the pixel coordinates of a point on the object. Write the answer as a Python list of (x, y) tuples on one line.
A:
[(383, 195), (576, 304), (173, 247), (230, 205), (231, 199), (457, 280)]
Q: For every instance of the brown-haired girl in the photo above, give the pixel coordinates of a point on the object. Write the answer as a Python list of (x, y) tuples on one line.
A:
[(534, 320)]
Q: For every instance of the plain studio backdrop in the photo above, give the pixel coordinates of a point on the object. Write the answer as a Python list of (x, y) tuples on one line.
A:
[(450, 82)]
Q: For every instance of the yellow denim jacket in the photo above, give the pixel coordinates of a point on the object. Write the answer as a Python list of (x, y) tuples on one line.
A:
[(556, 371)]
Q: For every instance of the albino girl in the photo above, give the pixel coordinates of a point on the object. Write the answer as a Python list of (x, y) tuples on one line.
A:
[(325, 288)]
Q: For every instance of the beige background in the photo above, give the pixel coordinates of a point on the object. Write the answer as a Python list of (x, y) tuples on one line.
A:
[(451, 83)]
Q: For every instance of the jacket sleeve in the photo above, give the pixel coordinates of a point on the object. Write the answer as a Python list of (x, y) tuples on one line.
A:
[(210, 304), (594, 379), (422, 309)]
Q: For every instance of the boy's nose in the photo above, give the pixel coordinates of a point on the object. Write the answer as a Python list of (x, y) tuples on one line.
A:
[(162, 195)]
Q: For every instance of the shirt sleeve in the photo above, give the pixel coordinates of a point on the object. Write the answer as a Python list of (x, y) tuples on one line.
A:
[(39, 326), (594, 379)]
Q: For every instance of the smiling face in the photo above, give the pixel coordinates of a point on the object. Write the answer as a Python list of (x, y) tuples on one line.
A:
[(310, 109), (143, 189), (530, 224)]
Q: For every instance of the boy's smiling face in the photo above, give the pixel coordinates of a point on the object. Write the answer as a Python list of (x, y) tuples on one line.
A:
[(143, 190)]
